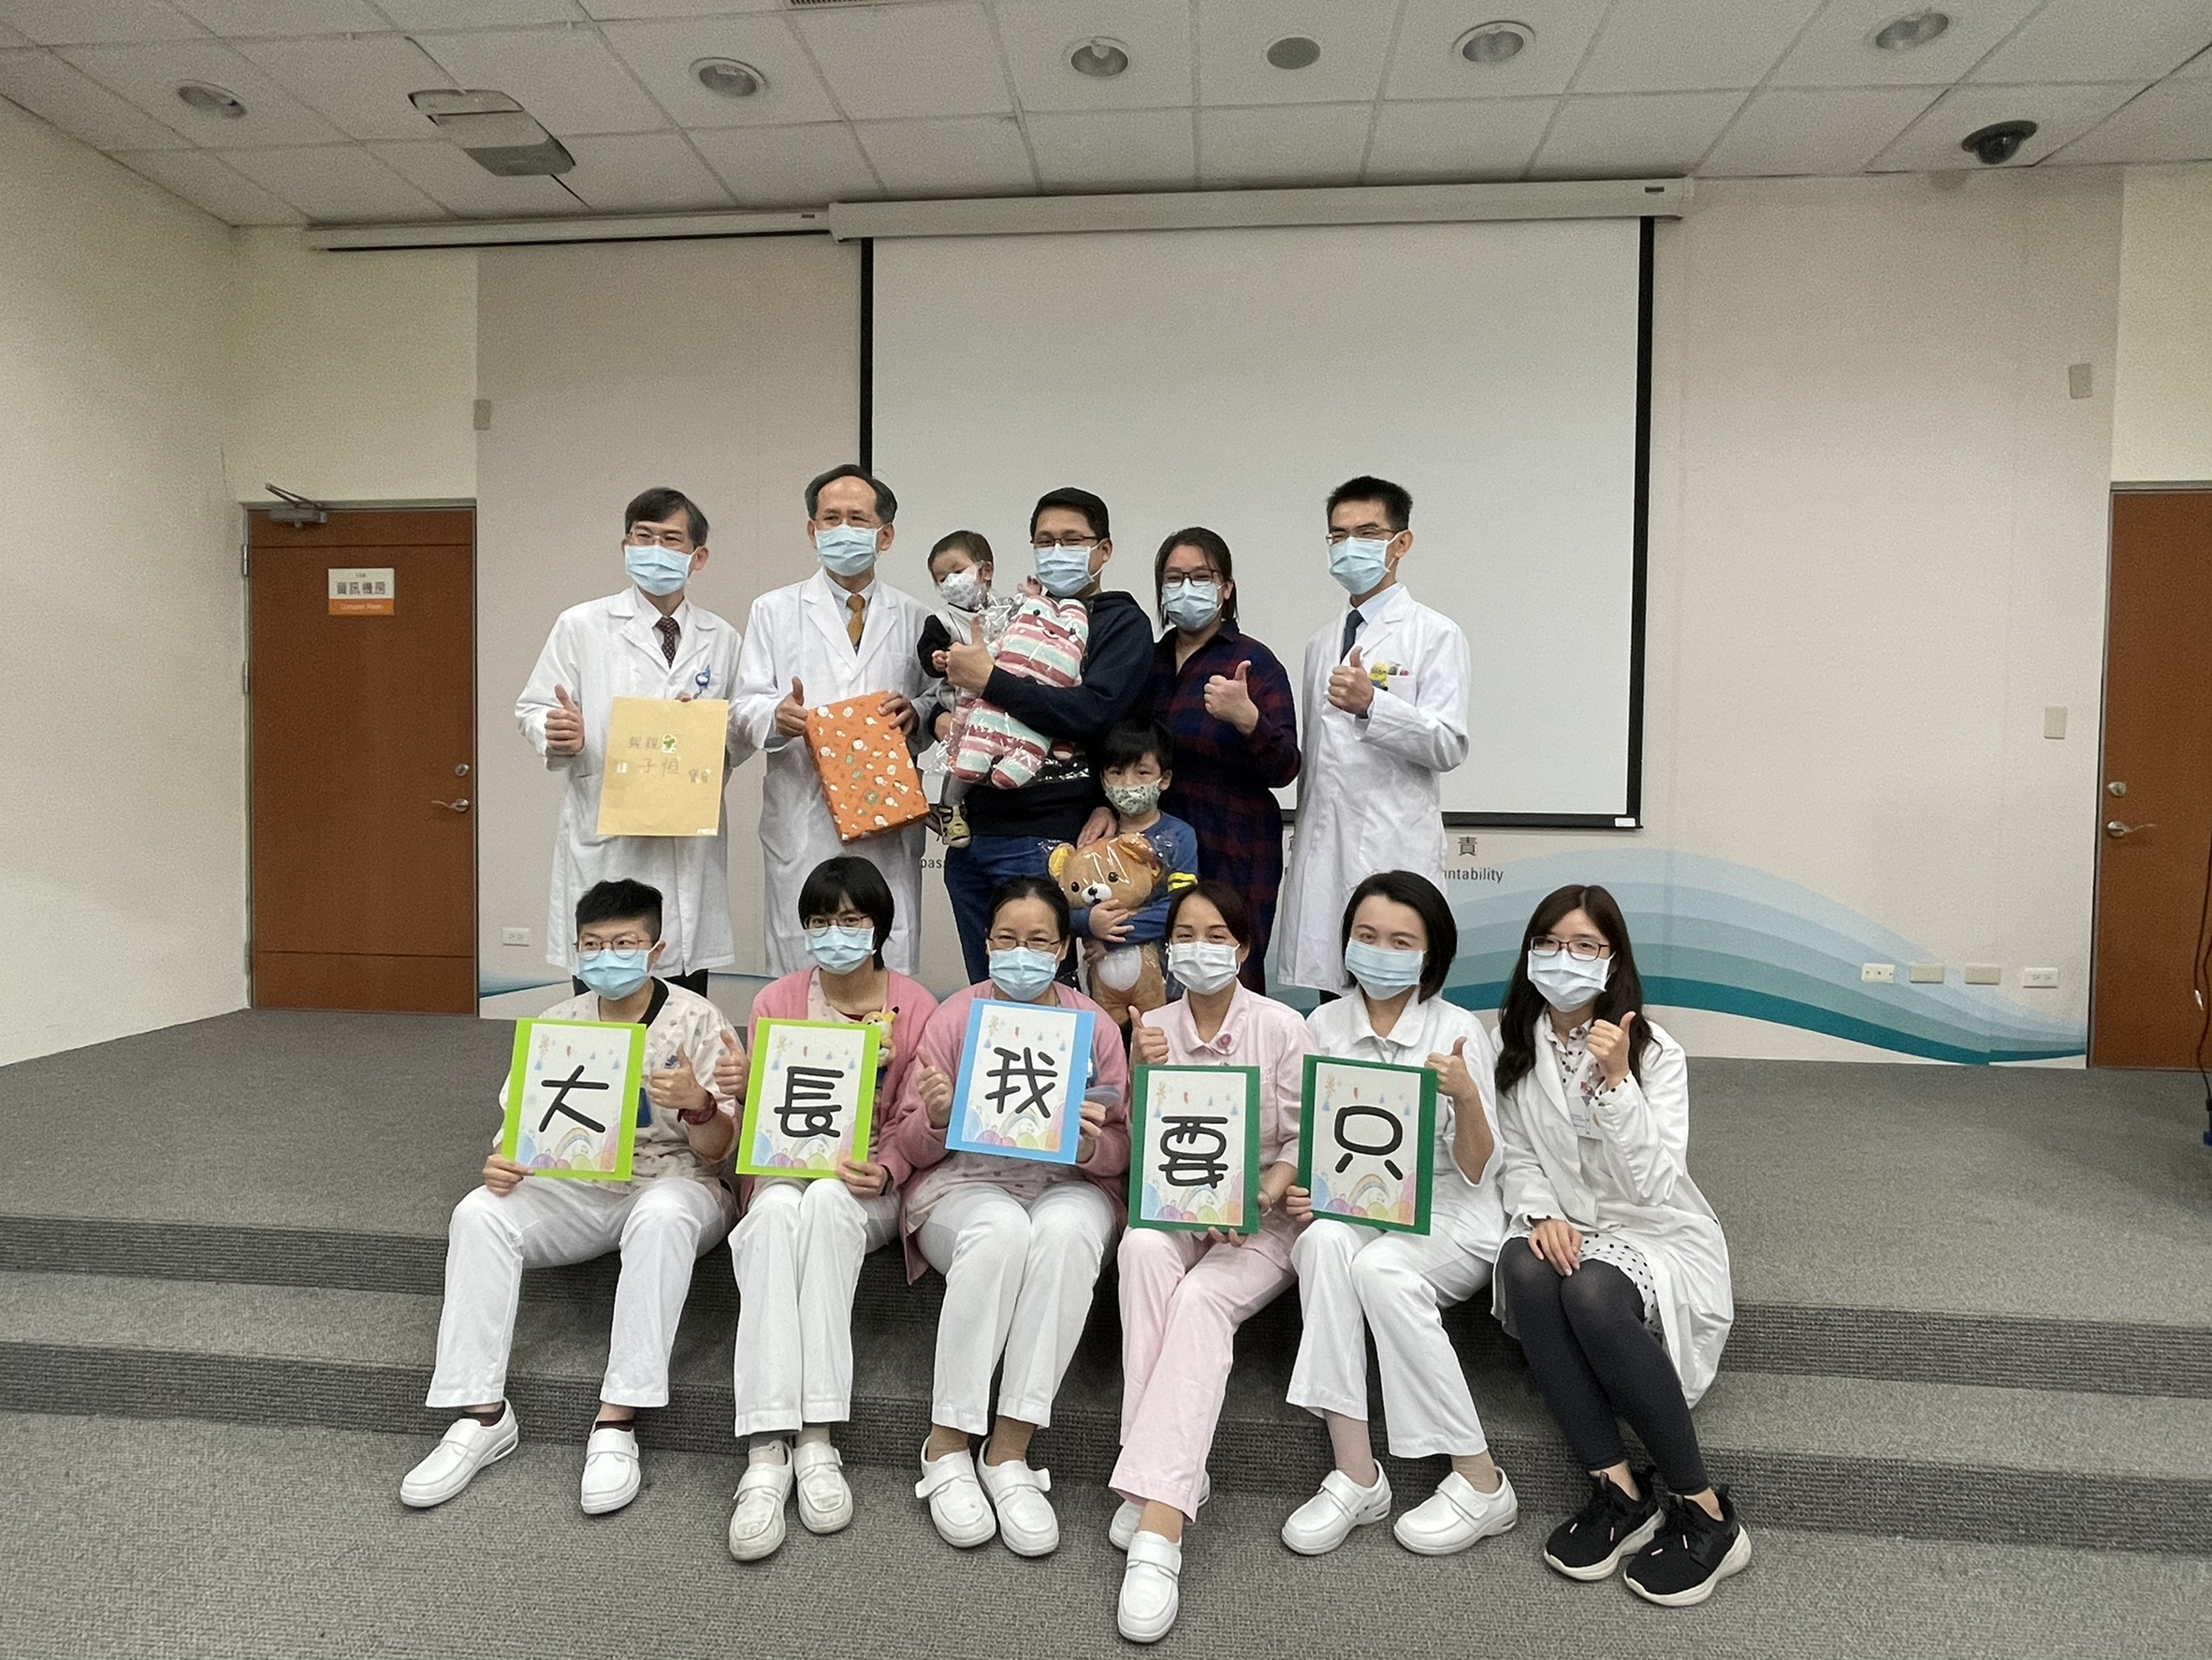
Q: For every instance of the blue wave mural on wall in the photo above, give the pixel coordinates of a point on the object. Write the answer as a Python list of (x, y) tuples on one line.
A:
[(1711, 934)]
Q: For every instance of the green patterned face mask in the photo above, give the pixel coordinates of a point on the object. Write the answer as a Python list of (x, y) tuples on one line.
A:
[(1132, 801)]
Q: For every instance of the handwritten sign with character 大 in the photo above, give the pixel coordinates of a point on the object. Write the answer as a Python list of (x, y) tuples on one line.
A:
[(570, 1097), (1367, 1141), (809, 1097), (1023, 1071), (1195, 1148)]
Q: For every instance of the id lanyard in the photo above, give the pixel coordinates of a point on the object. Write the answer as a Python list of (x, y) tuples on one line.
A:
[(700, 682)]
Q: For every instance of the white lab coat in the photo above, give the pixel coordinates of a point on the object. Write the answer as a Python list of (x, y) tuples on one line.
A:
[(799, 633), (1367, 793), (1632, 1181), (599, 651)]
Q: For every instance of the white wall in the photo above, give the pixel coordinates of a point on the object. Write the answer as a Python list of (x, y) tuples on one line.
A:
[(122, 865), (2161, 429)]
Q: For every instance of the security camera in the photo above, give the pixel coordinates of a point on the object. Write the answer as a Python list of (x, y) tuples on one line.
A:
[(1996, 144)]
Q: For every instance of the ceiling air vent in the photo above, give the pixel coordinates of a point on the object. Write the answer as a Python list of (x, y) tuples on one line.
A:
[(495, 132)]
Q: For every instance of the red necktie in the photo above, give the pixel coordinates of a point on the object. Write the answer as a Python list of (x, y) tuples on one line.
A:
[(669, 629)]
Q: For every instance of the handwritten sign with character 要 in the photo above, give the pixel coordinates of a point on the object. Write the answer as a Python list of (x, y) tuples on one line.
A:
[(1023, 1071), (1367, 1141), (1195, 1135), (570, 1097), (809, 1097)]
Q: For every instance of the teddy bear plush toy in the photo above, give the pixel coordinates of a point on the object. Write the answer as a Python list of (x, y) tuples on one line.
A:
[(1129, 979)]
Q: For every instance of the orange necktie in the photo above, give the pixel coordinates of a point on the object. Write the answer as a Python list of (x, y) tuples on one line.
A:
[(857, 606)]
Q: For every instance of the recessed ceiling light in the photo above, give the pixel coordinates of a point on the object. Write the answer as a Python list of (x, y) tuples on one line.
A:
[(1493, 43), (1099, 58), (729, 78), (1915, 28), (210, 100), (1294, 51)]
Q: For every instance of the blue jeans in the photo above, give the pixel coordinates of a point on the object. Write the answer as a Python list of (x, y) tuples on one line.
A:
[(972, 875)]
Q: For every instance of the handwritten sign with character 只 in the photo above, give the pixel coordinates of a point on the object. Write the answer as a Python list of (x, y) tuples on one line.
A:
[(1194, 1131), (811, 1097), (1022, 1070), (663, 771), (571, 1097), (1367, 1143)]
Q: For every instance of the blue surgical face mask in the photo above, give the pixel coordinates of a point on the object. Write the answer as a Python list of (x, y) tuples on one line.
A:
[(1382, 974), (1359, 563), (1023, 974), (1065, 571), (614, 974), (846, 550), (1191, 605), (840, 950), (660, 571)]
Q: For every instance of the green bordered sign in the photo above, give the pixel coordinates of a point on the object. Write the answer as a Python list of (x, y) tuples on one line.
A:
[(572, 1096), (811, 1098), (1367, 1141), (1194, 1149)]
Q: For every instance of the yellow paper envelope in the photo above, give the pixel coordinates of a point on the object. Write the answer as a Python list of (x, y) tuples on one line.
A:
[(663, 773)]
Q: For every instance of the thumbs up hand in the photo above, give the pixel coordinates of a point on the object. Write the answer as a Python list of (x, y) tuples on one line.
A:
[(791, 714), (674, 1088), (730, 1067), (1229, 698), (1349, 687), (1455, 1079), (936, 1094), (1609, 1047), (564, 725)]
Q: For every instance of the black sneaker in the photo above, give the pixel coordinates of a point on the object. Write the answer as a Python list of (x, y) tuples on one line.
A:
[(1691, 1554), (1611, 1526)]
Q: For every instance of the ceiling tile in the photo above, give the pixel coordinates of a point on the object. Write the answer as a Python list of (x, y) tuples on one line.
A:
[(245, 19), (890, 61), (1426, 66), (1456, 139), (606, 9), (97, 23), (790, 166), (212, 185), (1114, 149), (148, 77), (2097, 40), (566, 78), (362, 84), (2170, 122), (2061, 115), (1634, 136), (477, 14), (1038, 36), (10, 37), (643, 173), (1234, 35), (963, 155), (81, 105), (1297, 144), (1825, 130), (334, 182), (2197, 68), (662, 57), (445, 173), (1687, 45), (1839, 49)]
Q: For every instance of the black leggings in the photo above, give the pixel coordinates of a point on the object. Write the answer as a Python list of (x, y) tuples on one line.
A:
[(1596, 1364)]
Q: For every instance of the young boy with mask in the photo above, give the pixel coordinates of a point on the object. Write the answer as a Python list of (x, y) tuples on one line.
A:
[(674, 1208), (961, 565), (1138, 760)]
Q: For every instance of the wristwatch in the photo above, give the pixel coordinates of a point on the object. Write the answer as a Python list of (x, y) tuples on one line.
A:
[(704, 1115)]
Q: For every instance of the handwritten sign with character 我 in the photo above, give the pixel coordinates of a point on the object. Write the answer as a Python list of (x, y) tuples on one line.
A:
[(570, 1095), (1022, 1070), (663, 771)]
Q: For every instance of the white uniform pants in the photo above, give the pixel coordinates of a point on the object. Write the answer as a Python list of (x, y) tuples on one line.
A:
[(798, 1254), (662, 1227), (1018, 1282), (1353, 1281)]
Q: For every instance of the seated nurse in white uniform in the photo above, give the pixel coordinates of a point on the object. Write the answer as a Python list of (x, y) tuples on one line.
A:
[(1399, 942), (671, 1211)]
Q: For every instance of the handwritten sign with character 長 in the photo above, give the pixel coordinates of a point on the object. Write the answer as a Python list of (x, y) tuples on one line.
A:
[(1023, 1071), (809, 1097), (1367, 1141), (571, 1095), (664, 770)]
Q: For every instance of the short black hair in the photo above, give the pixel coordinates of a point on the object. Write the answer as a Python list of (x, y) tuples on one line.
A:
[(620, 901), (970, 542), (886, 503), (1032, 887), (1397, 500), (1236, 910), (1082, 501), (1215, 547), (1130, 741), (1420, 894), (659, 504), (849, 877)]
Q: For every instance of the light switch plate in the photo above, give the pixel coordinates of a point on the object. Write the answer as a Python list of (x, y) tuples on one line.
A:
[(1878, 973), (2039, 979), (2080, 380), (1926, 974), (2054, 720), (1985, 974), (513, 936)]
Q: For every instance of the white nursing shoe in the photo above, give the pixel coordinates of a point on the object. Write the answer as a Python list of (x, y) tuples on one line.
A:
[(956, 1503), (453, 1463), (1325, 1521), (1456, 1515), (1026, 1519), (1123, 1528), (826, 1498), (1151, 1589), (756, 1523), (612, 1474)]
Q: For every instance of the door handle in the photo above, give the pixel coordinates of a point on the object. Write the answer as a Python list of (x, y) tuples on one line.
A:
[(2117, 830), (460, 803)]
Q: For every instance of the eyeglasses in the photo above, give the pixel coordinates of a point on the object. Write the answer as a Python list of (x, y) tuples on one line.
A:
[(1582, 950), (850, 919), (639, 536), (1203, 574), (1365, 532), (1047, 944), (1077, 540), (629, 943)]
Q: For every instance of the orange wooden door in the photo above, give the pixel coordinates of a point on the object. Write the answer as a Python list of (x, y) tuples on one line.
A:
[(2154, 804), (363, 724)]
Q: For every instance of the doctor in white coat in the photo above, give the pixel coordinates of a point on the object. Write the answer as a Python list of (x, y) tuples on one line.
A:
[(648, 641), (1384, 696), (839, 634)]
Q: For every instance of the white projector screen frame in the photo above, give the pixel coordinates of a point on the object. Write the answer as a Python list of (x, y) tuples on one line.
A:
[(1501, 370)]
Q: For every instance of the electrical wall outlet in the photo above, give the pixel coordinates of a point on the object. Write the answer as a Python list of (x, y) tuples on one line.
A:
[(2039, 979), (513, 936), (1926, 974), (1984, 974), (1878, 973)]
